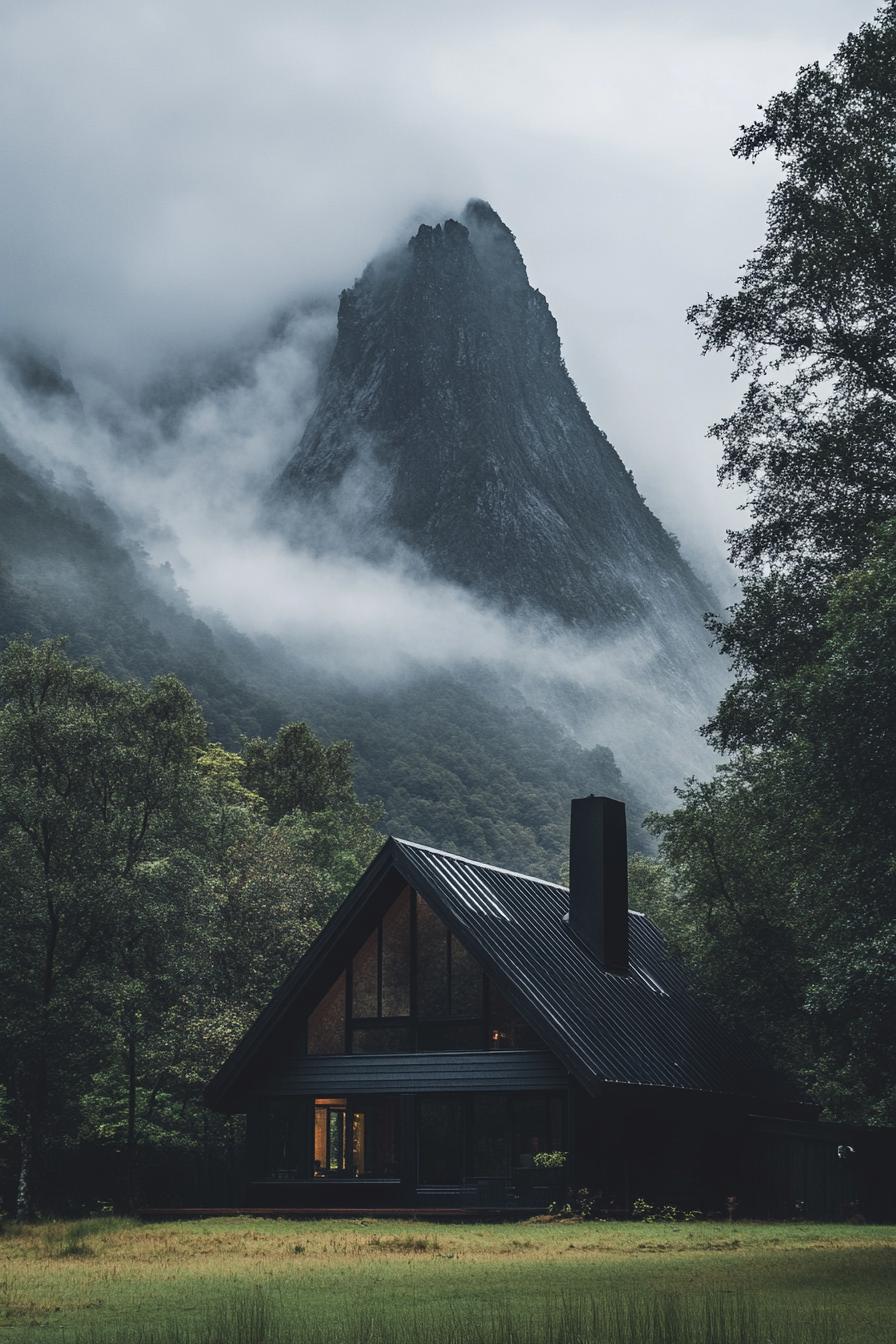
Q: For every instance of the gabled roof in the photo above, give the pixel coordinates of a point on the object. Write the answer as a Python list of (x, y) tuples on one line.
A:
[(646, 1028)]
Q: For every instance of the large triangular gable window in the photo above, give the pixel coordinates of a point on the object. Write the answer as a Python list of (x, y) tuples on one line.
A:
[(412, 985)]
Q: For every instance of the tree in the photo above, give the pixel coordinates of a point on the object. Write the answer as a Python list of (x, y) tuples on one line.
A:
[(776, 877), (149, 906), (812, 331), (93, 773), (295, 770)]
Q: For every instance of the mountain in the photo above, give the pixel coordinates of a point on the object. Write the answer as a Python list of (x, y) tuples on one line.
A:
[(452, 766), (445, 440), (67, 569), (448, 409)]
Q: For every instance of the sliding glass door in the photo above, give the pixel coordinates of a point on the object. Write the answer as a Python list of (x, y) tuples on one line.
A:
[(462, 1140), (356, 1137)]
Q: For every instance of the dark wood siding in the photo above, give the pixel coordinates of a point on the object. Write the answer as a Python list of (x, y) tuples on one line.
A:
[(437, 1071)]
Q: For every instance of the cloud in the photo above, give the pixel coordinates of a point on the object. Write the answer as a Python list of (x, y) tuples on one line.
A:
[(174, 172), (186, 473)]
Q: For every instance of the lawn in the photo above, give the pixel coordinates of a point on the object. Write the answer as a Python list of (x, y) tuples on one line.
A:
[(251, 1280)]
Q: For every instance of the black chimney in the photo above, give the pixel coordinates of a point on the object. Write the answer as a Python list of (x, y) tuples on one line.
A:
[(598, 879)]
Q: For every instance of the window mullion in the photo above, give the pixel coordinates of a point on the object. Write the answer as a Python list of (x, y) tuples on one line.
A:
[(379, 969)]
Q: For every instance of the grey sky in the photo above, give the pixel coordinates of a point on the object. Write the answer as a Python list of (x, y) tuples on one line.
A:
[(171, 171)]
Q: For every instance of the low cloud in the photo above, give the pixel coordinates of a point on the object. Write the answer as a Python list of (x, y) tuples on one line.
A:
[(173, 172), (187, 475)]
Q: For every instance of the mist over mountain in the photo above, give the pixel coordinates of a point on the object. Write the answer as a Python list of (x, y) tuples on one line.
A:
[(402, 526), (447, 408)]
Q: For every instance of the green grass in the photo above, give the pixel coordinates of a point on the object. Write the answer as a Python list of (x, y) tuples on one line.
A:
[(255, 1281)]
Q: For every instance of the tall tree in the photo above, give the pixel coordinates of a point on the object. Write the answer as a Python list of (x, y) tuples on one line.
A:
[(811, 329), (295, 770), (778, 876), (93, 773)]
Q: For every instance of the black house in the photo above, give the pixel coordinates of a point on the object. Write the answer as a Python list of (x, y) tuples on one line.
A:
[(454, 1020)]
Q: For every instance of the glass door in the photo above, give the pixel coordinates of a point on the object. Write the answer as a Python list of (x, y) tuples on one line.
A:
[(331, 1150)]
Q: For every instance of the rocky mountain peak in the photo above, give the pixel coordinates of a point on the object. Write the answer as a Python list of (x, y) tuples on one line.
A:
[(447, 378)]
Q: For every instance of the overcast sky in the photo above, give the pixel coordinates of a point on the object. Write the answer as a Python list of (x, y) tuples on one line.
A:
[(172, 171)]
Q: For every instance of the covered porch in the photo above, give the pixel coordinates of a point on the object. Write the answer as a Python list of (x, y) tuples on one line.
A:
[(440, 1151)]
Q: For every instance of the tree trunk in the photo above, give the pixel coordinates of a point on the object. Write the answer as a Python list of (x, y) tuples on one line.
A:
[(205, 1181), (132, 1119), (24, 1188)]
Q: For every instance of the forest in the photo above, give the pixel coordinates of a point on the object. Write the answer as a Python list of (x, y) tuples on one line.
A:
[(154, 887), (776, 876)]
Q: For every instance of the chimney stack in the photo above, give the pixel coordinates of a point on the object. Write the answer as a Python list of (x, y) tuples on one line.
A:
[(598, 879)]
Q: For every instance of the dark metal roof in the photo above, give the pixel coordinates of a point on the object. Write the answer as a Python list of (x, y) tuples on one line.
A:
[(645, 1028)]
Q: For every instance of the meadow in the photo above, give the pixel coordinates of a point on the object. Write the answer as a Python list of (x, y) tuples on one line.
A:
[(255, 1281)]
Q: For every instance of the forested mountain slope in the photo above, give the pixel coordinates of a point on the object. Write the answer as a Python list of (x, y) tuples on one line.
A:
[(452, 766)]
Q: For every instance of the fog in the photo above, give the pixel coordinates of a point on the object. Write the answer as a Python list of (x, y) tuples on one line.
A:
[(174, 172), (175, 176), (187, 474)]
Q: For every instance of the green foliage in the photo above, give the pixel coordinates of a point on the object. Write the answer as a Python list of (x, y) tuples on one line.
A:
[(149, 906), (459, 762), (776, 878), (581, 1204), (776, 881), (65, 567), (459, 770), (644, 1212), (549, 1161), (812, 332), (295, 770)]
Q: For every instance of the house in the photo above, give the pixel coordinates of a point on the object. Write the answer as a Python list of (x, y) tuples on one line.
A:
[(454, 1020)]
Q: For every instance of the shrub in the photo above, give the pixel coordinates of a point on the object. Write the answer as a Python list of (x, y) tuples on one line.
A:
[(582, 1204), (663, 1213), (549, 1161)]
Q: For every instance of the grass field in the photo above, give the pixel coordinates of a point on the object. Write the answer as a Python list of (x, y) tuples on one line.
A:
[(251, 1281)]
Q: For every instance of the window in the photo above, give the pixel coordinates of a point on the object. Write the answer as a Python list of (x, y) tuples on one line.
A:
[(466, 1139), (432, 963), (365, 979), (464, 981), (506, 1029), (356, 1137), (536, 1127), (380, 1040), (449, 1036), (381, 968), (488, 1134), (411, 953), (284, 1140), (326, 1024), (395, 961), (381, 984), (375, 1147), (449, 987), (330, 1134)]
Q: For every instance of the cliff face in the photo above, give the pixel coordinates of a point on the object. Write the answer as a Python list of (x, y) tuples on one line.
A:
[(447, 396)]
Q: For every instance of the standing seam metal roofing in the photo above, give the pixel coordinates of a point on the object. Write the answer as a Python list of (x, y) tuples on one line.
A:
[(645, 1028)]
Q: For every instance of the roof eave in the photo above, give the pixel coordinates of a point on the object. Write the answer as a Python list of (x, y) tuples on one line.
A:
[(229, 1075)]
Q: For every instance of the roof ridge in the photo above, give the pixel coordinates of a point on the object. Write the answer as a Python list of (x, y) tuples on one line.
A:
[(492, 867), (477, 863)]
